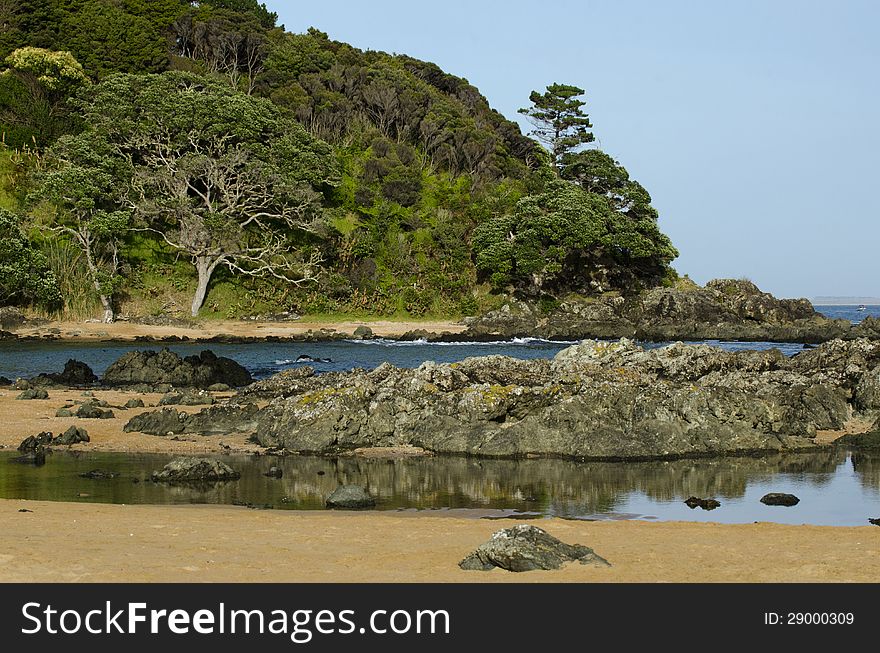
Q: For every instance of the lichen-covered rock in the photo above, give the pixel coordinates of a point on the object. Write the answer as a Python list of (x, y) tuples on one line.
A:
[(186, 399), (134, 403), (151, 367), (195, 470), (723, 310), (33, 393), (350, 497), (594, 400), (528, 548)]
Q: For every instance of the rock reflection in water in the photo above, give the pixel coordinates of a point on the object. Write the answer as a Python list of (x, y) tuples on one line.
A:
[(546, 487)]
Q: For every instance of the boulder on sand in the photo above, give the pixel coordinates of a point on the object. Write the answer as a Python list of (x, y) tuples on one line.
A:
[(527, 548), (151, 367)]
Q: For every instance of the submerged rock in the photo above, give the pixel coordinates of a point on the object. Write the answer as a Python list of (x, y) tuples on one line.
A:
[(705, 504), (195, 470), (37, 457), (350, 497), (150, 367), (99, 475), (527, 548), (274, 472), (780, 499)]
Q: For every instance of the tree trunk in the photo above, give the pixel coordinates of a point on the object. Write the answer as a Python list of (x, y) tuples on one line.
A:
[(205, 268), (107, 305)]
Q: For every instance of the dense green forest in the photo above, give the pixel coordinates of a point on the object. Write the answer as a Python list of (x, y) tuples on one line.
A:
[(176, 157)]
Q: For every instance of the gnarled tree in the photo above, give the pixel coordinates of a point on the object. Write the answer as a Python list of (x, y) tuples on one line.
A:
[(220, 176)]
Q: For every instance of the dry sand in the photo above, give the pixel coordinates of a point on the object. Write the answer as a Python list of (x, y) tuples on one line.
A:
[(116, 543), (91, 331)]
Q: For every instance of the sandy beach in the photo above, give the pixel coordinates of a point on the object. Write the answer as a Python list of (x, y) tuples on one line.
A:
[(96, 331), (118, 543)]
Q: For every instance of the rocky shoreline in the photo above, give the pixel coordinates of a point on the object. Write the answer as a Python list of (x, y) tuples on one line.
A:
[(593, 401), (732, 310)]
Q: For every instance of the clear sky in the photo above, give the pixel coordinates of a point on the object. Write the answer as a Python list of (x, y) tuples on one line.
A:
[(754, 124)]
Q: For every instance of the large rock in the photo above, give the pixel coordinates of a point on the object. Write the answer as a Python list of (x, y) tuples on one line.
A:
[(196, 471), (75, 373), (150, 367), (595, 400), (724, 310), (527, 548), (73, 435), (350, 497), (11, 318)]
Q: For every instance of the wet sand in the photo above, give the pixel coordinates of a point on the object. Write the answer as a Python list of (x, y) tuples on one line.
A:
[(63, 542)]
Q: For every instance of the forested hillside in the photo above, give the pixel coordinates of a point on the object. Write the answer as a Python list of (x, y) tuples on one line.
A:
[(175, 157)]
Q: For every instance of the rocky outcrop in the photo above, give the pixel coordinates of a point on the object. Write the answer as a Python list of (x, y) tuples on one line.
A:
[(596, 400), (75, 373), (528, 548), (152, 368), (195, 471), (723, 310)]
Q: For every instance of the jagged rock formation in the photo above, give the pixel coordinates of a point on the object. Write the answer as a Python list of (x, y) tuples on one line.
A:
[(596, 400), (723, 310)]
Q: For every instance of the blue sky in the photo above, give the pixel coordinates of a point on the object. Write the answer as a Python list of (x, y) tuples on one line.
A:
[(753, 124)]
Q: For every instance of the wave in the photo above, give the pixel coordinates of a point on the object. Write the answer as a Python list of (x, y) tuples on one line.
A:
[(422, 342)]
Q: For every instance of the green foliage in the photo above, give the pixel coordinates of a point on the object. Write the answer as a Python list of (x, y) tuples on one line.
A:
[(25, 277), (558, 240), (107, 39), (265, 152), (559, 120), (34, 89)]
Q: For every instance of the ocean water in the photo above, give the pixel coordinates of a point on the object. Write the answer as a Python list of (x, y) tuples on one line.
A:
[(27, 359), (849, 312)]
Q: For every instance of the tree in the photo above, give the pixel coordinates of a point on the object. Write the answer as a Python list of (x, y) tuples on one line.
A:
[(83, 182), (566, 239), (559, 120), (25, 277), (34, 90), (107, 39), (220, 176)]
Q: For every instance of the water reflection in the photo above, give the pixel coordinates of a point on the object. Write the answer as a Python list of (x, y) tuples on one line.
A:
[(547, 487)]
